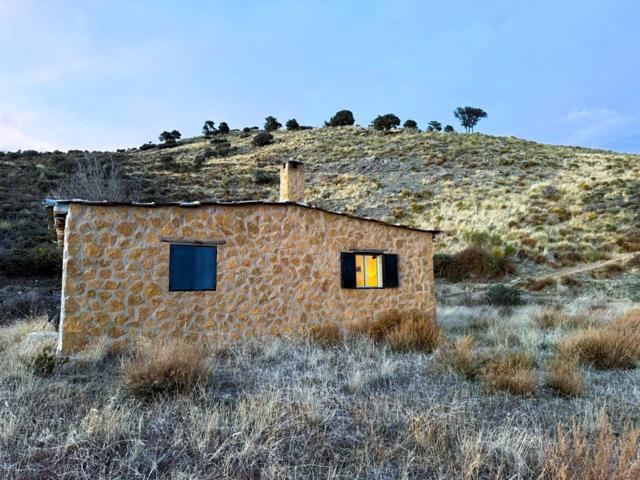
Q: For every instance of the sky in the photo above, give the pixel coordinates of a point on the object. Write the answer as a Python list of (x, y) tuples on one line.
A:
[(90, 74)]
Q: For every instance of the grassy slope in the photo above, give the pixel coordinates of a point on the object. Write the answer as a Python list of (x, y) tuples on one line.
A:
[(558, 205)]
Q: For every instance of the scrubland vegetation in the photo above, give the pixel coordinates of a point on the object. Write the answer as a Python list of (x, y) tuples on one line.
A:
[(527, 392), (546, 206)]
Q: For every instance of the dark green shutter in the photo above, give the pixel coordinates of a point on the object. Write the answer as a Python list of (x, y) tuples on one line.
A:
[(348, 270), (390, 270), (192, 268)]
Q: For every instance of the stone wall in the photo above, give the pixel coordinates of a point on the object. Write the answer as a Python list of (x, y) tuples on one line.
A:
[(278, 271)]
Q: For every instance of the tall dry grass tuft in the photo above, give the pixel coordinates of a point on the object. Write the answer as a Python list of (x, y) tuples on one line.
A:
[(402, 330), (461, 357), (576, 456), (553, 317), (328, 334), (164, 367), (512, 372), (613, 345), (564, 376)]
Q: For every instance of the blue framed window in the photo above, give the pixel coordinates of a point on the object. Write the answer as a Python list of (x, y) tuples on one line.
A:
[(192, 267)]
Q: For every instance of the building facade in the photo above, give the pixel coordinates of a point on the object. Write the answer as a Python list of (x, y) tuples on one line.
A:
[(232, 269)]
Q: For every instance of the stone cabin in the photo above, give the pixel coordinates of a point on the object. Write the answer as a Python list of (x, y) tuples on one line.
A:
[(232, 269)]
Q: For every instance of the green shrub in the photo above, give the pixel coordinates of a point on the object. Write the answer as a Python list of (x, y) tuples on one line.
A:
[(385, 122), (262, 177), (341, 119), (503, 295), (221, 148), (223, 128), (292, 124), (262, 139), (271, 124), (44, 363), (41, 260), (411, 124)]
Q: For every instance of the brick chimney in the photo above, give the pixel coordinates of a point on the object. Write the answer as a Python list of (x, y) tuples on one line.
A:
[(292, 181)]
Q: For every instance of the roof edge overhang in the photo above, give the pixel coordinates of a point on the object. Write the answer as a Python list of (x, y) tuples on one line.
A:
[(60, 207)]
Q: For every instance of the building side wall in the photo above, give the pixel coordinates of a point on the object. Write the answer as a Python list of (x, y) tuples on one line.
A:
[(278, 271)]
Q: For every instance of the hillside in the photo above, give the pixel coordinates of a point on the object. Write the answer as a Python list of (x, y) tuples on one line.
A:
[(558, 206)]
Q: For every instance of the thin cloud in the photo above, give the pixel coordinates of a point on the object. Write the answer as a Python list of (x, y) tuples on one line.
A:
[(17, 133), (594, 125)]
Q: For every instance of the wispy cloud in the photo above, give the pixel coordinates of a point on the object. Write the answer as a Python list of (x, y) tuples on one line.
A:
[(594, 126), (20, 132)]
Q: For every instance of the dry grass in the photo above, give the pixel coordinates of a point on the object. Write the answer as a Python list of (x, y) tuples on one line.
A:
[(407, 330), (164, 367), (512, 372), (280, 408), (575, 455), (613, 345), (555, 317), (327, 334), (564, 376), (461, 357)]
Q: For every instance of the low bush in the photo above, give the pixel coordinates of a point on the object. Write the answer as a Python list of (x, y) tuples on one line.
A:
[(263, 177), (576, 455), (406, 330), (410, 124), (262, 139), (43, 260), (147, 146), (503, 295), (165, 367), (564, 376), (512, 372), (461, 357), (271, 124), (385, 122), (43, 363), (223, 128), (292, 124), (612, 345), (328, 334), (340, 119), (474, 263)]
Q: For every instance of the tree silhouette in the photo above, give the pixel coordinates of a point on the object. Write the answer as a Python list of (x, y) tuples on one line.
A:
[(170, 138), (341, 119), (223, 128), (469, 117), (434, 126), (385, 122), (292, 124), (410, 124), (209, 129), (271, 124)]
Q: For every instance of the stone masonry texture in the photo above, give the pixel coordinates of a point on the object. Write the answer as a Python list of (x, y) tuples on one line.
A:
[(278, 271)]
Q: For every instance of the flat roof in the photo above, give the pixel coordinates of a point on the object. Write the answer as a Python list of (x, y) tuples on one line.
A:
[(53, 203)]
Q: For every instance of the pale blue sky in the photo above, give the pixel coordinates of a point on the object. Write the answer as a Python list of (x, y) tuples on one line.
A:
[(108, 74)]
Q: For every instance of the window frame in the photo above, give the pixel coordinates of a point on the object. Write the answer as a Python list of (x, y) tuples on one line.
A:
[(379, 268), (172, 245)]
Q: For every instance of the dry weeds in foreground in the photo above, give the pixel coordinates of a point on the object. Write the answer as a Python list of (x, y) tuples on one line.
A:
[(564, 376), (512, 372), (167, 366), (575, 455), (403, 331), (284, 408), (613, 345)]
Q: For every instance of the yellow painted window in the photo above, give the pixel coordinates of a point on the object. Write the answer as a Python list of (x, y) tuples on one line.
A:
[(359, 271), (368, 271)]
